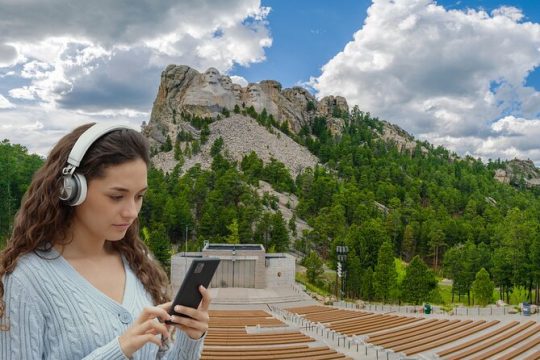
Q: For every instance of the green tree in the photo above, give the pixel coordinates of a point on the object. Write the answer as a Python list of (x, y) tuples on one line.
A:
[(233, 237), (408, 244), (483, 288), (160, 246), (279, 234), (418, 282), (167, 146), (314, 267), (385, 274)]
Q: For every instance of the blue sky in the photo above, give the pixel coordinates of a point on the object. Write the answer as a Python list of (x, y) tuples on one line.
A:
[(463, 74), (308, 34)]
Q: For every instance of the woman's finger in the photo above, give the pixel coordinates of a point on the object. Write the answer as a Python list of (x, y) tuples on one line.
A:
[(152, 312), (190, 323), (206, 299), (152, 327), (165, 306), (198, 315)]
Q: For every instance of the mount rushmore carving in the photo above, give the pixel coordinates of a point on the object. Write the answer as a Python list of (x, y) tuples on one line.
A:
[(185, 90)]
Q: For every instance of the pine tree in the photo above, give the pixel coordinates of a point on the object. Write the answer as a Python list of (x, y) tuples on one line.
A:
[(408, 244), (483, 288), (354, 275), (367, 284), (279, 234), (160, 246), (314, 267), (233, 237), (418, 283), (385, 275)]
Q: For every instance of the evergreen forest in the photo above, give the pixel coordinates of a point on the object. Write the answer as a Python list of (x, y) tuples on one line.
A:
[(408, 218)]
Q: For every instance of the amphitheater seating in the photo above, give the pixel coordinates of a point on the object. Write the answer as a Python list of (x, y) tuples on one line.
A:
[(450, 337), (288, 352), (483, 344), (534, 356), (478, 339), (228, 339), (506, 345), (412, 335), (520, 350)]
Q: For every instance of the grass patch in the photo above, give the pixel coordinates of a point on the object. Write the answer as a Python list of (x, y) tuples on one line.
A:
[(302, 278)]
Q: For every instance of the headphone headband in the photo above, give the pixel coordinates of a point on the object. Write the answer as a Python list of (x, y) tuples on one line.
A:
[(87, 139), (74, 187)]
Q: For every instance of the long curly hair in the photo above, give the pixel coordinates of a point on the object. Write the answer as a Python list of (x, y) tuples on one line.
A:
[(42, 213)]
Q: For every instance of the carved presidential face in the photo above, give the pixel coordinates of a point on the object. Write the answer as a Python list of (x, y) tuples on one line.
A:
[(226, 82), (237, 91), (211, 76), (254, 92)]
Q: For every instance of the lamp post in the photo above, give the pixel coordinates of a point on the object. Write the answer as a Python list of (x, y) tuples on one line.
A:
[(341, 252)]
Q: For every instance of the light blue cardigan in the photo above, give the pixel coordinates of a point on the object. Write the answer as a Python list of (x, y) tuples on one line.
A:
[(55, 313)]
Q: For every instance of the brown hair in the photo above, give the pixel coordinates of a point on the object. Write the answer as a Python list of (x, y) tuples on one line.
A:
[(42, 213)]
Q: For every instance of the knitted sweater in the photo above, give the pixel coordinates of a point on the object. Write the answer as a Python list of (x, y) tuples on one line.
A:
[(55, 313)]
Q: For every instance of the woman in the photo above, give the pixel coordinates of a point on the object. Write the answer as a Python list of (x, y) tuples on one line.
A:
[(77, 281)]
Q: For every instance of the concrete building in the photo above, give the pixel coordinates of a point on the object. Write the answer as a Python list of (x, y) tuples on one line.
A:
[(241, 266)]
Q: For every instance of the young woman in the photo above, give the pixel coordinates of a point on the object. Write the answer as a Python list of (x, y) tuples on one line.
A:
[(77, 282)]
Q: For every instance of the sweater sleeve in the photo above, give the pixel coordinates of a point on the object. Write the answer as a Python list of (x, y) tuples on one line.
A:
[(109, 351), (24, 336), (184, 348)]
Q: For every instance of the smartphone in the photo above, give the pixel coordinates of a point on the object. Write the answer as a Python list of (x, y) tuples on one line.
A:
[(200, 272)]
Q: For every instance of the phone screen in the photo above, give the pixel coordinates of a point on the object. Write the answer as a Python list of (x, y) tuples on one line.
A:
[(200, 272)]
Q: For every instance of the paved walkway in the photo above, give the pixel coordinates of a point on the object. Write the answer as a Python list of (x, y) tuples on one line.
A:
[(252, 299)]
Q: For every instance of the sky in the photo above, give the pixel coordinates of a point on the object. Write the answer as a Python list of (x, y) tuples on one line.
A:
[(461, 74)]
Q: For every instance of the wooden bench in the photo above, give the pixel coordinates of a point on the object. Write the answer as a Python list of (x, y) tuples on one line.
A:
[(383, 324), (498, 349), (497, 340), (534, 356), (478, 339), (448, 338), (403, 344), (416, 326), (295, 352), (520, 350), (391, 340)]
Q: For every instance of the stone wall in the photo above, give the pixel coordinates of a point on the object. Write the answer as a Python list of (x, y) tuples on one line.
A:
[(280, 270)]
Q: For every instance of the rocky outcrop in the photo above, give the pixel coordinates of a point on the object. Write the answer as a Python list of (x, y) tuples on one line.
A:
[(185, 90), (403, 140), (519, 172), (241, 135)]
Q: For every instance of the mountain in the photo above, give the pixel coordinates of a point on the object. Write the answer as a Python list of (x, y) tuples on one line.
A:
[(518, 173), (185, 94)]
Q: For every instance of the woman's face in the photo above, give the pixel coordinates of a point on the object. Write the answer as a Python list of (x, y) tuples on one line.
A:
[(113, 202)]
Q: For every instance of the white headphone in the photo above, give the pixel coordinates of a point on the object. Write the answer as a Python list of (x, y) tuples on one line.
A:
[(74, 187)]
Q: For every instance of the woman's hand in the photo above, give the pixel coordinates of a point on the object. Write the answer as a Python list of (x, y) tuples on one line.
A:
[(144, 330), (197, 326)]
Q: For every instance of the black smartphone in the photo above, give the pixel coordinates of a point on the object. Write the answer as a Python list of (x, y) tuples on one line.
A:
[(200, 272)]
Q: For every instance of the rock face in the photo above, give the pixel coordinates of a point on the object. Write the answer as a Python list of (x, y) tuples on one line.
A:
[(403, 140), (517, 171), (242, 135), (185, 90)]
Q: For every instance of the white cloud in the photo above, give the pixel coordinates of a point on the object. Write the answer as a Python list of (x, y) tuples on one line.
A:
[(39, 129), (239, 80), (444, 75), (5, 104), (106, 61)]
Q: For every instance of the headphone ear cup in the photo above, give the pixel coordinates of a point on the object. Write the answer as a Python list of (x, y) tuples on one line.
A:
[(69, 187), (79, 195)]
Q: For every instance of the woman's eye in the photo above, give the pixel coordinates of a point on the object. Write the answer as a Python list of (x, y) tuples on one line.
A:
[(116, 197), (140, 197)]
